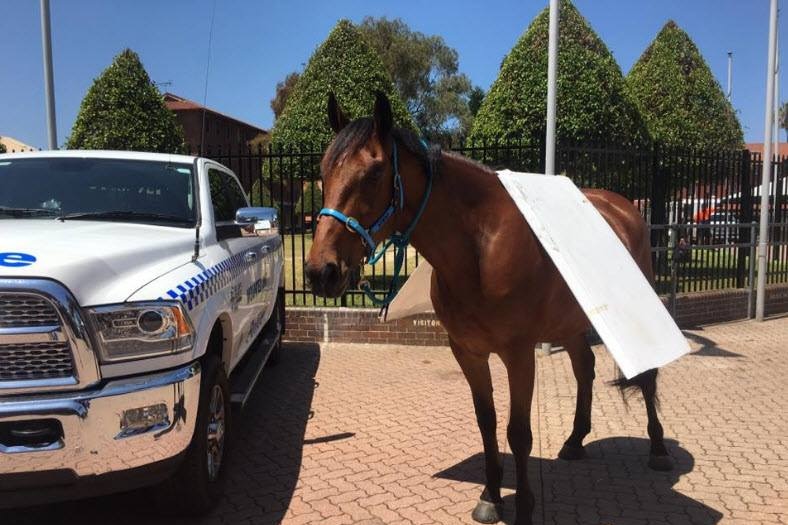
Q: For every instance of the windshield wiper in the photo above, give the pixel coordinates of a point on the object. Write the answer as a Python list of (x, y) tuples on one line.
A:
[(118, 215), (27, 212)]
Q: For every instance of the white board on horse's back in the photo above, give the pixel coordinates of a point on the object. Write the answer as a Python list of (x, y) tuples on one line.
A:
[(607, 283)]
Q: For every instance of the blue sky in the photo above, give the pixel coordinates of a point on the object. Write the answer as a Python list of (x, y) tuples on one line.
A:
[(256, 43)]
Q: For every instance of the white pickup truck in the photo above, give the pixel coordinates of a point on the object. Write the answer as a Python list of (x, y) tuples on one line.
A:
[(140, 296)]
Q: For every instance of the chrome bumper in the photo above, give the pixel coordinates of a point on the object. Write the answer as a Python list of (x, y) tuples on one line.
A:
[(93, 442)]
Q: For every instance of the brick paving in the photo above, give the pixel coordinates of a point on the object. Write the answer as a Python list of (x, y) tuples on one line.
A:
[(386, 435)]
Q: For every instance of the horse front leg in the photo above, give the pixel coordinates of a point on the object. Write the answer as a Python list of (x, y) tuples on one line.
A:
[(520, 369), (477, 372)]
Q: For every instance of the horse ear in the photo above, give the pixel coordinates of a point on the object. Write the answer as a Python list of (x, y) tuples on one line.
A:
[(336, 118), (382, 115)]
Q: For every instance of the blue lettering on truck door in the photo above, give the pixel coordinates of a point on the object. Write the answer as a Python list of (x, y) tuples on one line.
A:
[(16, 260)]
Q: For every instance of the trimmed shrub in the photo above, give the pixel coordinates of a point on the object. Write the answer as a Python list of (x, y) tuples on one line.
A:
[(592, 104), (680, 100), (345, 65), (123, 110)]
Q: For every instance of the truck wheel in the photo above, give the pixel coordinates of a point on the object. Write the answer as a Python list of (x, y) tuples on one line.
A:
[(278, 318), (199, 482)]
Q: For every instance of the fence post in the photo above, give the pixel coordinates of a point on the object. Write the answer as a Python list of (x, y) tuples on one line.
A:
[(751, 284), (658, 195), (745, 216), (673, 232)]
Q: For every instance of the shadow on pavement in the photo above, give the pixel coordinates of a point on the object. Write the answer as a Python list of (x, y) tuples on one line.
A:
[(708, 347), (613, 486), (262, 467)]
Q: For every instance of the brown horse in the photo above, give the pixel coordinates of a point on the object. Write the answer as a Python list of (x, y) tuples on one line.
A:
[(494, 288)]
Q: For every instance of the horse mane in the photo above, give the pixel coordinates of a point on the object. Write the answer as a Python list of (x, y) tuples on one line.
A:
[(353, 137)]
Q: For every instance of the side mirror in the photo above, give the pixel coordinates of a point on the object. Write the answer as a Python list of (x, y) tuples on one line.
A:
[(259, 221)]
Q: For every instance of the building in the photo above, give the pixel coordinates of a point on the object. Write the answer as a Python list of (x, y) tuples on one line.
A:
[(757, 147), (222, 132), (14, 146)]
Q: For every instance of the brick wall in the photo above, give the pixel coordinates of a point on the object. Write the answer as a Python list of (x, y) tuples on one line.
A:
[(361, 325)]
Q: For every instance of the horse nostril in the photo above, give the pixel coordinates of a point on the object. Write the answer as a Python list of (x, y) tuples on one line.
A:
[(329, 273), (312, 275)]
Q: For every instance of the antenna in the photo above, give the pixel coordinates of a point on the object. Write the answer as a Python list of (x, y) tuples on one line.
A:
[(207, 69)]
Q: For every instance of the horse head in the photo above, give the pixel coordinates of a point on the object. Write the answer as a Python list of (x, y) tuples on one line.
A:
[(362, 194)]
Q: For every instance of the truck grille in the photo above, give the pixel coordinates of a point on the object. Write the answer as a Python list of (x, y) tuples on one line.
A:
[(33, 345), (35, 361), (22, 310)]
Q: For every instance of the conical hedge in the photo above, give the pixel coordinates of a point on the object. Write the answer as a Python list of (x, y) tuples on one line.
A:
[(123, 110), (680, 100), (591, 100), (346, 65)]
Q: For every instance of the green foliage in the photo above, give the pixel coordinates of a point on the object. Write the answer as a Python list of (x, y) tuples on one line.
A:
[(784, 117), (680, 100), (343, 64), (265, 198), (2, 148), (591, 101), (283, 90), (425, 72), (475, 99), (123, 110), (311, 199)]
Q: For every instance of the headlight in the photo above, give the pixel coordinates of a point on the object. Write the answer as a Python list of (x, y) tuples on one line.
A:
[(137, 330)]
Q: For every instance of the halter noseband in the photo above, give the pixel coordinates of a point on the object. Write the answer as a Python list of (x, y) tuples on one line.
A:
[(399, 240)]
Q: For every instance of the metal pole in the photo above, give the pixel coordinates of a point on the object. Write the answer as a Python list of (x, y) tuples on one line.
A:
[(49, 83), (552, 73), (776, 131), (763, 241), (730, 75)]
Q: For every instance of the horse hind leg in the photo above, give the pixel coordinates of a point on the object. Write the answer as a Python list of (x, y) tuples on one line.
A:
[(583, 360), (659, 459)]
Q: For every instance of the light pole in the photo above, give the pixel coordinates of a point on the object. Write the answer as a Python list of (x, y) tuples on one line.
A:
[(763, 241), (552, 75), (49, 83)]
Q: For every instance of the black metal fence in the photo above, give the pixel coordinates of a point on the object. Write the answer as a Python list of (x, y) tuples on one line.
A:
[(701, 203)]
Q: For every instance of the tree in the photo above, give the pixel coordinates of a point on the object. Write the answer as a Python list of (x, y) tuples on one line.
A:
[(283, 90), (123, 110), (475, 99), (2, 148), (680, 100), (311, 200), (591, 101), (784, 117), (345, 65), (425, 72)]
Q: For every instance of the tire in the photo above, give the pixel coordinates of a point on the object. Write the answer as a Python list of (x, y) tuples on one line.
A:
[(278, 319), (199, 482)]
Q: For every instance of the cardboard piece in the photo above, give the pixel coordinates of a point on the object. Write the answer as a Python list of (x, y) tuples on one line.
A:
[(615, 295), (414, 296)]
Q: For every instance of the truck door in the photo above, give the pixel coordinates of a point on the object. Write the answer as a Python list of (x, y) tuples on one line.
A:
[(245, 257)]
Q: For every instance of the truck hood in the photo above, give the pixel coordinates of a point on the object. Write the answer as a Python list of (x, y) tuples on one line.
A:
[(100, 262)]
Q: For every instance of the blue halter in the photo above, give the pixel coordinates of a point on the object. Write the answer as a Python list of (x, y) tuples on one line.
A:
[(399, 240)]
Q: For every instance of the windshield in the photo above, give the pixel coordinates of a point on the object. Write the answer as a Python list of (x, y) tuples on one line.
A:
[(97, 189)]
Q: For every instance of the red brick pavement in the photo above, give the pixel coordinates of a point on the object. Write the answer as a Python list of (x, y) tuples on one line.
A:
[(386, 435)]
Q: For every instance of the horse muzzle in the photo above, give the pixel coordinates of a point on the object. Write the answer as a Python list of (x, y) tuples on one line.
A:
[(327, 280)]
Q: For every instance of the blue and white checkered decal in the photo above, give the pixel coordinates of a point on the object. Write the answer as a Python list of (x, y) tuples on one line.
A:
[(203, 285)]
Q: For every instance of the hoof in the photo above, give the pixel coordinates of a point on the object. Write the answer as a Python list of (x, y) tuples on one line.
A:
[(487, 512), (660, 463), (572, 453)]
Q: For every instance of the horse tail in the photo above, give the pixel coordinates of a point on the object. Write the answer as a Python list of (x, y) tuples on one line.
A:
[(646, 382)]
